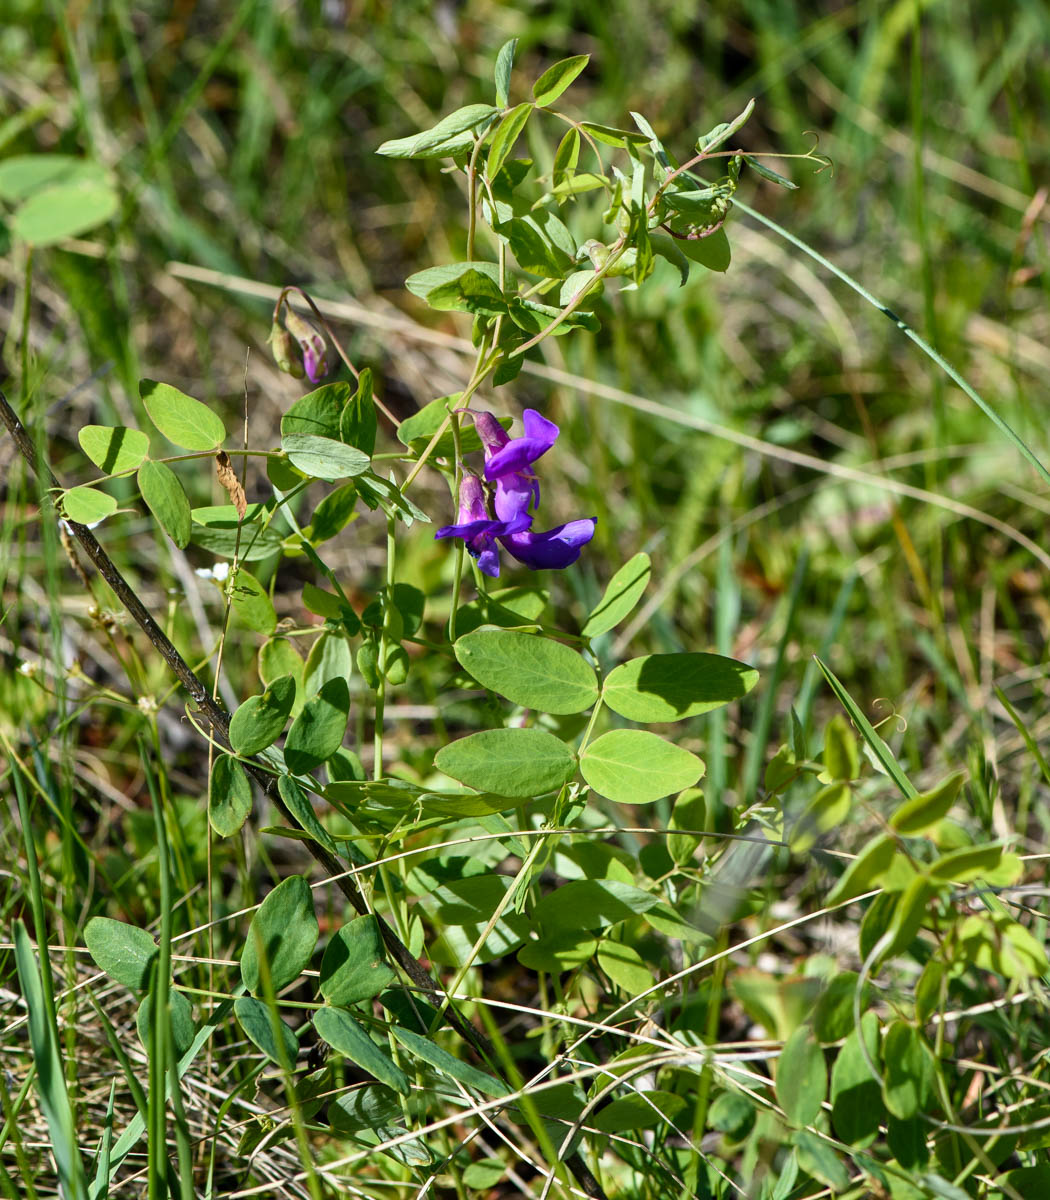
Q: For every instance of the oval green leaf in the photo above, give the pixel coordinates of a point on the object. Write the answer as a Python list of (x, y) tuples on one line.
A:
[(712, 251), (114, 448), (123, 951), (556, 79), (354, 965), (323, 458), (505, 136), (640, 1111), (624, 591), (633, 766), (64, 210), (229, 796), (802, 1078), (509, 762), (166, 499), (284, 933), (430, 1052), (258, 722), (535, 672), (318, 730), (181, 419), (343, 1033), (250, 603), (671, 687), (181, 1017), (255, 1019), (298, 804), (87, 505)]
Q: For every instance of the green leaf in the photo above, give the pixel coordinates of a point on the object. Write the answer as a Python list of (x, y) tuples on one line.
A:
[(671, 687), (181, 419), (298, 804), (625, 967), (385, 494), (712, 251), (531, 244), (841, 755), (721, 133), (768, 173), (422, 283), (183, 1029), (591, 904), (1031, 1183), (166, 499), (856, 1095), (250, 603), (969, 862), (258, 722), (802, 1078), (864, 871), (566, 158), (623, 592), (248, 543), (689, 813), (284, 933), (612, 136), (344, 1034), (504, 66), (563, 950), (827, 810), (633, 766), (318, 730), (909, 1071), (642, 1110), (23, 174), (322, 457), (472, 292), (509, 762), (370, 1107), (733, 1114), (229, 796), (357, 423), (333, 514), (556, 79), (353, 967), (87, 505), (329, 656), (506, 135), (439, 137), (319, 412), (430, 1052), (64, 210), (820, 1160), (916, 816), (667, 248), (114, 448), (535, 672), (255, 1019), (123, 951), (484, 1174), (833, 1015)]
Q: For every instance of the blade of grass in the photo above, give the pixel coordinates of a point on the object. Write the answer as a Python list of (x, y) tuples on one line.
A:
[(881, 751), (1006, 430)]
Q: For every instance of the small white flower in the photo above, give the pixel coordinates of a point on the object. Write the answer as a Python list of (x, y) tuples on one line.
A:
[(220, 572)]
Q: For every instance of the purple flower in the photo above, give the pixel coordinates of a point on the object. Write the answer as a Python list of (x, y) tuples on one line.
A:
[(558, 547), (311, 344), (508, 461), (508, 465), (477, 528)]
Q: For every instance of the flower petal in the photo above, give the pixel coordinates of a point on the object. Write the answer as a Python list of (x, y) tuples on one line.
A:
[(522, 452), (554, 549)]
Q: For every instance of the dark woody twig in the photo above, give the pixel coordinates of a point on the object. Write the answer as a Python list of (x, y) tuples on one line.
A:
[(217, 716)]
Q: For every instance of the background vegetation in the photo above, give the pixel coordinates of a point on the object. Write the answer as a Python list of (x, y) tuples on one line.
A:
[(804, 480)]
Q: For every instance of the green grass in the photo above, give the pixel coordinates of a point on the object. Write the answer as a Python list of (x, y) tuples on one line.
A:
[(805, 479)]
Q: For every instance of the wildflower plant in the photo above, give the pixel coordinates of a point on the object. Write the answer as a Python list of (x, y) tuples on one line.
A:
[(482, 841)]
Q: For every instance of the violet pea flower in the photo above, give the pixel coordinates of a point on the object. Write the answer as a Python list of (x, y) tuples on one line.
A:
[(508, 461), (311, 344), (557, 548), (477, 528)]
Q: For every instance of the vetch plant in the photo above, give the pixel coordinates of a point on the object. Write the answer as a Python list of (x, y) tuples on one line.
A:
[(496, 839)]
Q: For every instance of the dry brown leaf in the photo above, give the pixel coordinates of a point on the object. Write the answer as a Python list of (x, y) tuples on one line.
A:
[(230, 483)]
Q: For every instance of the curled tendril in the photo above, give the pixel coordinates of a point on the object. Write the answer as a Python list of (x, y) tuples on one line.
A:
[(883, 702), (825, 162)]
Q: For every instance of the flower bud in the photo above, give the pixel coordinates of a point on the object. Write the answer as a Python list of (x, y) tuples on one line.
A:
[(311, 345), (286, 352)]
